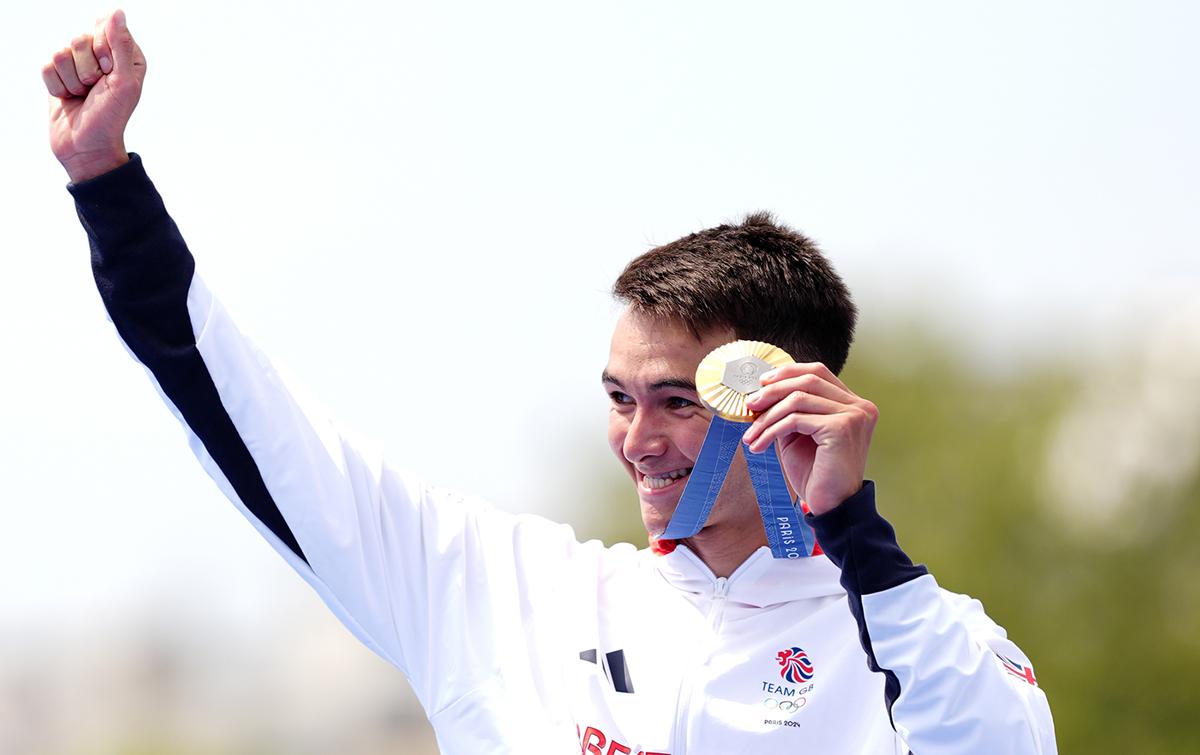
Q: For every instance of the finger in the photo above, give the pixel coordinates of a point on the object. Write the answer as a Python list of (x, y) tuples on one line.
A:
[(64, 65), (797, 402), (86, 65), (54, 84), (792, 424), (802, 368), (765, 397), (100, 47), (120, 42)]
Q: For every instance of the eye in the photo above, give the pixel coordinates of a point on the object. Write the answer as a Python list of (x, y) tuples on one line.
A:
[(679, 402), (620, 399)]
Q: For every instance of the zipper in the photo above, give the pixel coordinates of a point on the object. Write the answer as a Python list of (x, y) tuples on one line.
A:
[(716, 611), (716, 614)]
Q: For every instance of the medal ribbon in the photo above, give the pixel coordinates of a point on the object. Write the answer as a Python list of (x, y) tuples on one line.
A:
[(788, 535)]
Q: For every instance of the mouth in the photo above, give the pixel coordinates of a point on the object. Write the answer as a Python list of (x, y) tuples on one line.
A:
[(663, 481)]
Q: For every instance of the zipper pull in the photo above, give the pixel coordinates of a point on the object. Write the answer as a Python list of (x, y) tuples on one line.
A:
[(720, 588)]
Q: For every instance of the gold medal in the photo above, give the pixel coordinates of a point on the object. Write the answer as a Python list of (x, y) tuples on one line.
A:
[(730, 373)]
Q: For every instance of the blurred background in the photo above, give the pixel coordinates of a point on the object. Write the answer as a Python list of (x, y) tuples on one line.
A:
[(402, 201)]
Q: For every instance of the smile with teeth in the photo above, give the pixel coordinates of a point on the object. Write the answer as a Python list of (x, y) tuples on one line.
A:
[(660, 481)]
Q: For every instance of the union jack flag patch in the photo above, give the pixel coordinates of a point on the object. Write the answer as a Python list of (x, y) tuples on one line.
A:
[(1024, 673)]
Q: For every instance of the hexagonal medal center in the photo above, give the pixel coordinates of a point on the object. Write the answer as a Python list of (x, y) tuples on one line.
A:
[(741, 374)]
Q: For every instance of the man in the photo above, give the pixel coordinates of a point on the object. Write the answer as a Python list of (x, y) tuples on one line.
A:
[(516, 637)]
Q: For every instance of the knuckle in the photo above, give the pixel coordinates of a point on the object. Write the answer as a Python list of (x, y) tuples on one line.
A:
[(862, 415), (62, 56), (809, 380), (797, 399), (82, 43)]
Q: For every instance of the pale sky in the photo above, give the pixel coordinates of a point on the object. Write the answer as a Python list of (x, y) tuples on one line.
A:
[(419, 208)]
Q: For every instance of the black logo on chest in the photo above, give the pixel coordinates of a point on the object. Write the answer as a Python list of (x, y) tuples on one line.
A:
[(616, 670)]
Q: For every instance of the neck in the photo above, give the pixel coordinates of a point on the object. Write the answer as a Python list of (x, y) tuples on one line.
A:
[(723, 551)]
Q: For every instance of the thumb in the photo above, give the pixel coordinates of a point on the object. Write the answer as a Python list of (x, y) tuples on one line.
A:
[(124, 50)]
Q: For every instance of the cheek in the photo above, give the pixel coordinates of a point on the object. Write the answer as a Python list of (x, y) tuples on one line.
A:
[(618, 428), (691, 437)]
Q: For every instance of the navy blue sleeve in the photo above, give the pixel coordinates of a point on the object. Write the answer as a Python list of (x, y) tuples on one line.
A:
[(863, 545), (144, 271)]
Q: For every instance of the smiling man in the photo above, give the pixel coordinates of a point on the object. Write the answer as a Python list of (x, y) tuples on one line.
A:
[(515, 636)]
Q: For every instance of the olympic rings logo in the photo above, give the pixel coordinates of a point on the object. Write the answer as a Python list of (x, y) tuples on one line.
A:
[(785, 706)]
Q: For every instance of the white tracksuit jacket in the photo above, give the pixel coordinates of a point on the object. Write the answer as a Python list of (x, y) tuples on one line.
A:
[(517, 637)]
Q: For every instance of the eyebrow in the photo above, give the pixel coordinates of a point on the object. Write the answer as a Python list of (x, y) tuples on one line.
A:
[(679, 383)]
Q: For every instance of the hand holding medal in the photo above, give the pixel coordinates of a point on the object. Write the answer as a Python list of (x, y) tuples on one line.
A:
[(821, 428)]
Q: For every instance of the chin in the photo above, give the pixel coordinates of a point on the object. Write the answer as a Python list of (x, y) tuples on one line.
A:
[(656, 515)]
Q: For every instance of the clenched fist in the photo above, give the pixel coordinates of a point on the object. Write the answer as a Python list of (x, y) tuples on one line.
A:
[(94, 85)]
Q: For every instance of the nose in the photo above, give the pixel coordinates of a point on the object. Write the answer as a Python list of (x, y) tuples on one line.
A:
[(644, 439)]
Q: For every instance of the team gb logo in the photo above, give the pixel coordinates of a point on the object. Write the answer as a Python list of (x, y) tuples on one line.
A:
[(795, 665)]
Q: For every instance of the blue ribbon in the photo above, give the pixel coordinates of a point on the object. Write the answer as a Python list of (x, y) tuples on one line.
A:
[(788, 535)]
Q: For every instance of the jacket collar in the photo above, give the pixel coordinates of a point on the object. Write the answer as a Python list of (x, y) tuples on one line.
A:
[(760, 581)]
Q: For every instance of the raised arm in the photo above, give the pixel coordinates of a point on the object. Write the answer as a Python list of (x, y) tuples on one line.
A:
[(404, 566), (286, 468)]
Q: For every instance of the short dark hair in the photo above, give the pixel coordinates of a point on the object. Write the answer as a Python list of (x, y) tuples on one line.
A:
[(762, 279)]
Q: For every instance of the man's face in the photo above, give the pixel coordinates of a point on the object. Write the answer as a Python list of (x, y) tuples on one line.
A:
[(656, 423)]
